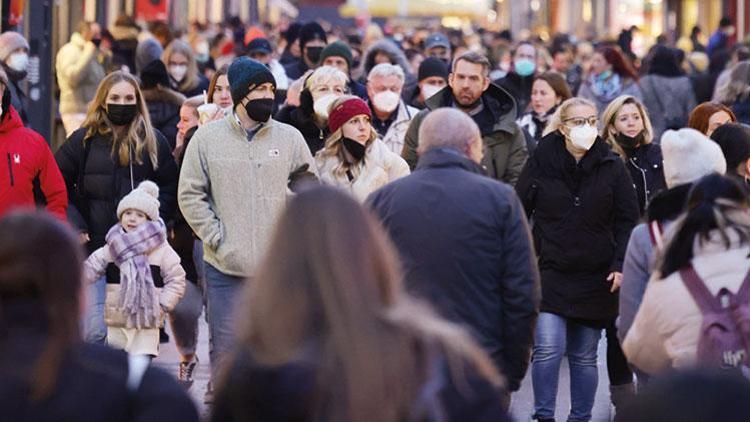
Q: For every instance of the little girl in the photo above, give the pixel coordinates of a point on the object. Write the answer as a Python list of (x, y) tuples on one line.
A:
[(144, 276)]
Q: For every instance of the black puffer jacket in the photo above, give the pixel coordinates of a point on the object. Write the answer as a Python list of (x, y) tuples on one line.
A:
[(645, 165), (519, 87), (164, 108), (583, 214), (96, 183), (303, 121)]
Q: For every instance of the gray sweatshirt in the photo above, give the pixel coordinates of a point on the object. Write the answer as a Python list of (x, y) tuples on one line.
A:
[(233, 189)]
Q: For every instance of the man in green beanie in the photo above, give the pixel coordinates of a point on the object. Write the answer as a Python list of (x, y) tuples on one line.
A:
[(339, 55)]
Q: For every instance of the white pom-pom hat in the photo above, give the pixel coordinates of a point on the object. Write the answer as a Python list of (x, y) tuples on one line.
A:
[(144, 198), (690, 155)]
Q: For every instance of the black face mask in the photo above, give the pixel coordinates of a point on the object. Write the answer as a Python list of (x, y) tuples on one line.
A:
[(260, 109), (121, 114), (629, 142), (313, 54), (356, 149)]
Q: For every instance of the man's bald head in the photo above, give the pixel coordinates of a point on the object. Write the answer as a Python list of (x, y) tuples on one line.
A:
[(450, 128)]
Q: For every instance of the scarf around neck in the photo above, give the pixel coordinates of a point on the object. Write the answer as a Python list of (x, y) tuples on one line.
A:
[(138, 300), (608, 88)]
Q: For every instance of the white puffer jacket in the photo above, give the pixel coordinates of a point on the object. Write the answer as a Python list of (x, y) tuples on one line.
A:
[(379, 167)]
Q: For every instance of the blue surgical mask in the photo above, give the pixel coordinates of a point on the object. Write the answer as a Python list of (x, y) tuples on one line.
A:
[(525, 67)]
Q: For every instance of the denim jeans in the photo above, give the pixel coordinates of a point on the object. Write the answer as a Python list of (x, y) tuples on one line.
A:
[(222, 291), (554, 337), (94, 328)]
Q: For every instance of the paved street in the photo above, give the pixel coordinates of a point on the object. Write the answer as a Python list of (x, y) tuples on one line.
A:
[(522, 405)]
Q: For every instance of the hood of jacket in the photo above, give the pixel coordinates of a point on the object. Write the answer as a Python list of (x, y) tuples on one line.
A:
[(163, 105), (389, 48), (500, 103), (10, 121)]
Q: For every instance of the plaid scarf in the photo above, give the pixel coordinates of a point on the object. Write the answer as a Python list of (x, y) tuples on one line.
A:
[(138, 299)]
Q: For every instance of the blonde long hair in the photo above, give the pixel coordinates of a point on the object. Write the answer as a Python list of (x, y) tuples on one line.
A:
[(557, 118), (191, 79), (336, 286), (140, 133), (335, 148), (609, 116)]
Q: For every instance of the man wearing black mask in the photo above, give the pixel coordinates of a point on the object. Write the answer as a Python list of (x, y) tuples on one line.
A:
[(238, 168), (492, 109), (312, 41)]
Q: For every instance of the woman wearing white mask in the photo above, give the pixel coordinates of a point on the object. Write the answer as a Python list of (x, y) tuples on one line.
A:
[(354, 158), (391, 116), (583, 205), (14, 56), (183, 69), (321, 87)]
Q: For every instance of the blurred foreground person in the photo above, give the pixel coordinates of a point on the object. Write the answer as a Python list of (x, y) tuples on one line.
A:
[(475, 263), (328, 334), (47, 372)]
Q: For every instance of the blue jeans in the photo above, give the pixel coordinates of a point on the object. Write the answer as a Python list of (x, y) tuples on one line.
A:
[(222, 291), (94, 328), (554, 337)]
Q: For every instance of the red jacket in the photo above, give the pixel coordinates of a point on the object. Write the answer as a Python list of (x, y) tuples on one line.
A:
[(26, 161)]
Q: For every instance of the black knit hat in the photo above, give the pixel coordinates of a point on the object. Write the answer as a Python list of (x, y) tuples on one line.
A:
[(245, 74), (153, 74), (311, 31), (734, 140), (337, 49), (432, 66)]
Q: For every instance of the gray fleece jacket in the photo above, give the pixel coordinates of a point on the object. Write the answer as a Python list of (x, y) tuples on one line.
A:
[(233, 189)]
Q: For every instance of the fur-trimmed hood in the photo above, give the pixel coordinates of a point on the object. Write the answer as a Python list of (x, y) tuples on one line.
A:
[(387, 47)]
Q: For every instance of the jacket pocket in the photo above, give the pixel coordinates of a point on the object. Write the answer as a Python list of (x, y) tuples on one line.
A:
[(10, 171)]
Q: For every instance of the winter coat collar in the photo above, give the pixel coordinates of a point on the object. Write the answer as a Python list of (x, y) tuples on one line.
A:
[(496, 99), (447, 157), (668, 204), (77, 40)]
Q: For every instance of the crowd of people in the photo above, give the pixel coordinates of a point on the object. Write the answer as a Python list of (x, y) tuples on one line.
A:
[(377, 226)]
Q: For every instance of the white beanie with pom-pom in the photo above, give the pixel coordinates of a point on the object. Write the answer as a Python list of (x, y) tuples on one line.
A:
[(144, 198), (689, 155)]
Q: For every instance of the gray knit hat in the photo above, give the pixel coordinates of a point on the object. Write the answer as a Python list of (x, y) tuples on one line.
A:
[(144, 198), (11, 41)]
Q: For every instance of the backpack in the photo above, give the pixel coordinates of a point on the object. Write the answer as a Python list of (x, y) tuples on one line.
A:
[(724, 339)]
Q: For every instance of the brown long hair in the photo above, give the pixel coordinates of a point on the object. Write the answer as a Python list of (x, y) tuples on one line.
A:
[(214, 79), (336, 284), (41, 261), (191, 80), (140, 133)]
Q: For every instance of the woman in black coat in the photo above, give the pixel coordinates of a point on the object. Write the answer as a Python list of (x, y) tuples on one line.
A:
[(628, 131), (583, 206), (114, 150)]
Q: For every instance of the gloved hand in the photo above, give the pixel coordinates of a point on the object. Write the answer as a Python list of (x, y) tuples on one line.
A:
[(301, 177)]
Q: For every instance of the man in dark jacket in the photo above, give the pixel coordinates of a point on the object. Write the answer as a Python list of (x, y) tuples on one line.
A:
[(464, 241), (491, 108), (312, 40), (519, 80)]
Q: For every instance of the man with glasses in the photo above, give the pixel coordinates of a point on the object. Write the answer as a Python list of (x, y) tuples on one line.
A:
[(492, 109)]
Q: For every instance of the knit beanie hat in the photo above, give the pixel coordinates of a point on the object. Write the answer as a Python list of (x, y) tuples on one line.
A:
[(432, 66), (345, 111), (146, 52), (144, 198), (734, 140), (244, 75), (690, 155), (11, 41), (155, 73), (311, 31), (338, 49)]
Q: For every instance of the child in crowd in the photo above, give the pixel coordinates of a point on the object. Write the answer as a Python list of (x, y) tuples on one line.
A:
[(144, 277)]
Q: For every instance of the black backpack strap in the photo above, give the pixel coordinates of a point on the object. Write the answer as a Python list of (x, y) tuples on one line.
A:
[(697, 288)]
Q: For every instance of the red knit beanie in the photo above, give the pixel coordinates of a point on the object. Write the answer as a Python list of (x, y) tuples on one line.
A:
[(345, 111)]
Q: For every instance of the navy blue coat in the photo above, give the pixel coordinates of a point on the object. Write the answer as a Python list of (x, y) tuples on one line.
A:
[(583, 214), (465, 246)]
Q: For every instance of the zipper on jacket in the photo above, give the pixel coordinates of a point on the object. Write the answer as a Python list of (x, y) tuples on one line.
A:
[(645, 185), (10, 171)]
